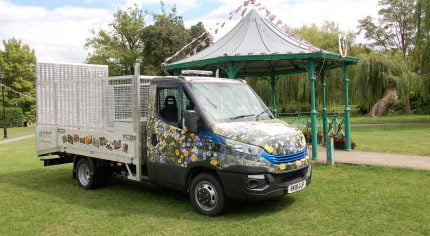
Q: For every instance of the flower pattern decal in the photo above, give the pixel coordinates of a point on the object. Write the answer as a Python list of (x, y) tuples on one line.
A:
[(171, 145), (275, 136)]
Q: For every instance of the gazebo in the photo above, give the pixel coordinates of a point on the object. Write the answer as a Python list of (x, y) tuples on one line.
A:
[(257, 47)]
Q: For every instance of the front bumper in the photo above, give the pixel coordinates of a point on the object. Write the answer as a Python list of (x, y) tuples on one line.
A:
[(250, 187)]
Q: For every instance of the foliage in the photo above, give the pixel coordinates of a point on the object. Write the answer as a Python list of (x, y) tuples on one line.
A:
[(14, 117), (395, 28), (128, 40), (17, 60), (375, 73), (121, 45), (162, 39)]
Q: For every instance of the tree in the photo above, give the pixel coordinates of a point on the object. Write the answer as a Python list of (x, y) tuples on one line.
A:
[(121, 45), (162, 39), (17, 60), (395, 29), (128, 40)]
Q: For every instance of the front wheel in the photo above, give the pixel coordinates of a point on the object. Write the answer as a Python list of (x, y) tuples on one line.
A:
[(207, 195)]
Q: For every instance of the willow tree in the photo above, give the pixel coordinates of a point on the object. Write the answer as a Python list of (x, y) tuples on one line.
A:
[(422, 52), (380, 79)]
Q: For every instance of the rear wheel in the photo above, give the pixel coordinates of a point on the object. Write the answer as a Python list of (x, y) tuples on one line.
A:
[(85, 174), (207, 195)]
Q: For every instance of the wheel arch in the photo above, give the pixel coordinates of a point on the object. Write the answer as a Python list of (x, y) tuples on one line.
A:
[(196, 170)]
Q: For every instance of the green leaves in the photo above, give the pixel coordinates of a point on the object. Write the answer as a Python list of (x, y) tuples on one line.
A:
[(17, 61), (128, 39)]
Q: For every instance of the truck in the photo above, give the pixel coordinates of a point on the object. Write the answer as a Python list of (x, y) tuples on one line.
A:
[(211, 138)]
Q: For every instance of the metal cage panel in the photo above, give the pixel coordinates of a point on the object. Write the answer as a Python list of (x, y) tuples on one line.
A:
[(70, 95)]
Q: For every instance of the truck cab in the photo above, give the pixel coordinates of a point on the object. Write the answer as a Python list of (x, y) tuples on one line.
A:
[(213, 138)]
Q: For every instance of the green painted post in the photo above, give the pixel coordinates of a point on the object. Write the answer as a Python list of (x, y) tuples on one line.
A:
[(231, 71), (347, 109), (311, 72), (273, 81), (324, 109)]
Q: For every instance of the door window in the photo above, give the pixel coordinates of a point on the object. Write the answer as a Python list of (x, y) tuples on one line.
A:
[(168, 104)]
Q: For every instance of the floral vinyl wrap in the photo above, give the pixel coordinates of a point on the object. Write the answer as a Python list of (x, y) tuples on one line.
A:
[(275, 136), (176, 147)]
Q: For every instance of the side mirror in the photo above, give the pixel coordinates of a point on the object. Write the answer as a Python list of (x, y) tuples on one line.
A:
[(190, 121)]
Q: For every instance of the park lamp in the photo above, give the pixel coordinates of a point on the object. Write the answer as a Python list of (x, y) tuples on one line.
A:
[(4, 106)]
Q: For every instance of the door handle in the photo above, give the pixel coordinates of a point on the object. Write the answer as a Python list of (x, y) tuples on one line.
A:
[(154, 140)]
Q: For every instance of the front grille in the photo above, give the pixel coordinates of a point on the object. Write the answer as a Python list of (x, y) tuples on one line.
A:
[(285, 177), (277, 159)]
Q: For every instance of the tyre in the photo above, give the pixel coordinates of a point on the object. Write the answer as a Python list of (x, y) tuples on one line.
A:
[(207, 195), (85, 174)]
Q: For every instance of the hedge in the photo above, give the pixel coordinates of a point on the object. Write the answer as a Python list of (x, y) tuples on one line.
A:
[(14, 117)]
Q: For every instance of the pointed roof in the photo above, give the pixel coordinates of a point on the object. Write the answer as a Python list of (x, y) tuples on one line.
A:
[(253, 38)]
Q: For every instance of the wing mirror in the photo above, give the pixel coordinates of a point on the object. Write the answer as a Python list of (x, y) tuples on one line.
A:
[(190, 121)]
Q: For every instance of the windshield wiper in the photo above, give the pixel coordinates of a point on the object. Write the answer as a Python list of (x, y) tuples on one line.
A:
[(265, 110), (241, 116)]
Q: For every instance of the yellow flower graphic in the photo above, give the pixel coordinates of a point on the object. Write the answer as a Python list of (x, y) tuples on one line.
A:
[(282, 166), (214, 162), (297, 163), (194, 157), (268, 148), (182, 156), (185, 153), (177, 152)]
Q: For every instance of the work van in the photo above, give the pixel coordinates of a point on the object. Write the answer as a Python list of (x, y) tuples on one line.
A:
[(210, 137)]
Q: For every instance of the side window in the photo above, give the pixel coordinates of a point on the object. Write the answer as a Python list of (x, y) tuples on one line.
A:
[(168, 104)]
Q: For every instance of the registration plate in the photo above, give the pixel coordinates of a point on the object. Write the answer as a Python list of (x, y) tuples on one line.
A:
[(297, 186)]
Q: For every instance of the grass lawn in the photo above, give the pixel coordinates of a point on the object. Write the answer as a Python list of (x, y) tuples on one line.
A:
[(406, 139), (391, 119), (16, 132), (345, 199)]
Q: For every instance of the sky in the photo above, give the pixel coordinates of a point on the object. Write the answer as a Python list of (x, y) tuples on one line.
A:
[(57, 30)]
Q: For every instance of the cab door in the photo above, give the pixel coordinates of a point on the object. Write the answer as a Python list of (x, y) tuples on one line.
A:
[(165, 135)]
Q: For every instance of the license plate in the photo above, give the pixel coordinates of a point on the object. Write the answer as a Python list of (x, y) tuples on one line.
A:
[(296, 187)]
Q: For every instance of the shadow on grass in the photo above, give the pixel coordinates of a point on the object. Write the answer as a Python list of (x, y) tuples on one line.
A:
[(122, 197)]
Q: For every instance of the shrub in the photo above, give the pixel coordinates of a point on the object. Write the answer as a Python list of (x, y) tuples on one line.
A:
[(14, 117)]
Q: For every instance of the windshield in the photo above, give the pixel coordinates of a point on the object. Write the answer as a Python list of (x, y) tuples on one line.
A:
[(229, 102)]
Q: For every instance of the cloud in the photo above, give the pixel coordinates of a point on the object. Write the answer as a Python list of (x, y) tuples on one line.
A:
[(181, 5), (59, 34), (56, 35), (345, 13)]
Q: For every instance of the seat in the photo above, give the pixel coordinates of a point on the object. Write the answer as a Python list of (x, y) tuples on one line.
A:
[(170, 110)]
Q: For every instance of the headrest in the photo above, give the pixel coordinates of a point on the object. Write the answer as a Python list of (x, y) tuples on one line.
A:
[(170, 102)]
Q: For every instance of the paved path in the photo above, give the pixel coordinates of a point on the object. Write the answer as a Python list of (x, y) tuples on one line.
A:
[(378, 159), (10, 140)]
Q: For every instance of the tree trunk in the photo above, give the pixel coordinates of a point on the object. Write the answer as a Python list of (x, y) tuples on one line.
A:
[(381, 107), (407, 107)]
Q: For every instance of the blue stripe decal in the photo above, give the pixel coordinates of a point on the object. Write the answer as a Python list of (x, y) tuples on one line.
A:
[(211, 136), (276, 159)]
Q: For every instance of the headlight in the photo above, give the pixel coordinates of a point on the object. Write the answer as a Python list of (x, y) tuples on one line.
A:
[(244, 148)]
